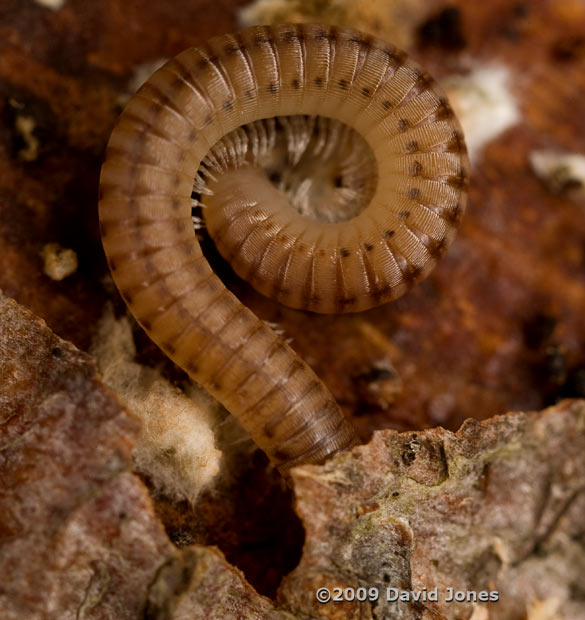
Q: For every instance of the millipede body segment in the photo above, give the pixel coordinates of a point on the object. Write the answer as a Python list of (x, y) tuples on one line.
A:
[(191, 108)]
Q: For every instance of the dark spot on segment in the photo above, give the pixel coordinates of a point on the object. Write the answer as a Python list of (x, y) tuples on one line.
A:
[(436, 247), (411, 274), (345, 252), (394, 56), (249, 94), (228, 105), (322, 34), (182, 70), (403, 125), (192, 136), (322, 252), (389, 52), (191, 368), (208, 119), (386, 104), (175, 204), (207, 61), (412, 146), (366, 92), (342, 302), (291, 35), (295, 367), (443, 29), (277, 348), (404, 215), (168, 348), (368, 40), (234, 48), (368, 247), (296, 84), (268, 432), (415, 169), (343, 84), (389, 233), (454, 215), (456, 143), (272, 88), (413, 193), (177, 84), (57, 353), (274, 177), (319, 81), (262, 39), (443, 111), (423, 82), (356, 39), (377, 293), (458, 181), (338, 181), (281, 456)]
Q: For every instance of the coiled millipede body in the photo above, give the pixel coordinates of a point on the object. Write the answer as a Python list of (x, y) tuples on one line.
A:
[(179, 134)]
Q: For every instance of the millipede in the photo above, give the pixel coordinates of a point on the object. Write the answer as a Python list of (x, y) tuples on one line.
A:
[(214, 127)]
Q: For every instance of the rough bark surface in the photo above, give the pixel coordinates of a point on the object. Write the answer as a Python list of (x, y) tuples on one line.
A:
[(496, 506)]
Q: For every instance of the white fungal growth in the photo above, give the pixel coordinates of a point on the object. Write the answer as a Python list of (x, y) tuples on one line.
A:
[(484, 104), (395, 21), (58, 262), (25, 126), (176, 447), (140, 75), (561, 171), (51, 4)]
